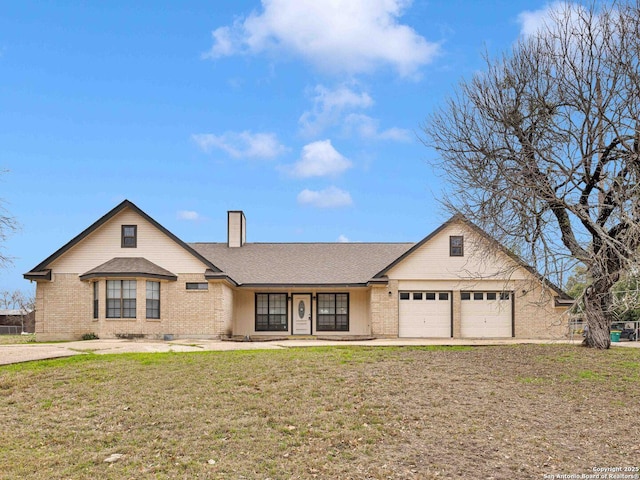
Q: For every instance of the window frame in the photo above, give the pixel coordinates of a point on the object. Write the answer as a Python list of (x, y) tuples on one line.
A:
[(121, 300), (273, 319), (124, 237), (155, 305), (197, 286), (96, 303), (321, 318), (456, 250)]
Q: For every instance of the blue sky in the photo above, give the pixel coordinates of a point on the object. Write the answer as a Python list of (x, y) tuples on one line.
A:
[(306, 114)]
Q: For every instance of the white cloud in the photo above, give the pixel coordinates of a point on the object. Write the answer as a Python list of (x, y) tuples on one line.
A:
[(348, 36), (367, 127), (188, 215), (241, 144), (537, 21), (319, 159), (329, 105), (343, 239), (340, 107), (331, 197)]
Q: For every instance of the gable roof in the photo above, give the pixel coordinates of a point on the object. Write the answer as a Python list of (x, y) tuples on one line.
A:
[(276, 264), (129, 267), (41, 271), (459, 218), (302, 264)]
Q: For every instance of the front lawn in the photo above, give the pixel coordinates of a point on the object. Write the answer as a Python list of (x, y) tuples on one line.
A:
[(501, 412)]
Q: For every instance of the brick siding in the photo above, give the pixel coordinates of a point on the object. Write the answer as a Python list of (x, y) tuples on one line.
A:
[(64, 310)]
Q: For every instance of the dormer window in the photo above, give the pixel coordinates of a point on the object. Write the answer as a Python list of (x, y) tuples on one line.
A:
[(129, 236), (456, 246)]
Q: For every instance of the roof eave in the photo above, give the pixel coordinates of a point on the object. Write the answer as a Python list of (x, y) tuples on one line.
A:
[(38, 276), (210, 275), (303, 285), (90, 276), (564, 302)]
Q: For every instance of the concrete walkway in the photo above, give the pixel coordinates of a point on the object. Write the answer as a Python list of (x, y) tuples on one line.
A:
[(41, 351)]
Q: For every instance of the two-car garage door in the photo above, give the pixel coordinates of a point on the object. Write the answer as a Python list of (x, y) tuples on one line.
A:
[(429, 315)]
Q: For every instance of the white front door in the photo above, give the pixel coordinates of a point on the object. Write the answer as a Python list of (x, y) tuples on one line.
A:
[(301, 314)]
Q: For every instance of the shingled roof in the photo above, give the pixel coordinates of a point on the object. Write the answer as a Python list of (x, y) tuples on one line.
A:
[(302, 263), (129, 267)]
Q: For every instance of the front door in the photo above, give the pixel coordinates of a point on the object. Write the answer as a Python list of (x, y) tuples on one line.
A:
[(301, 312)]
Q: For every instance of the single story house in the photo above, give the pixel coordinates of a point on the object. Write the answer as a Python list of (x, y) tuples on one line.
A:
[(127, 275)]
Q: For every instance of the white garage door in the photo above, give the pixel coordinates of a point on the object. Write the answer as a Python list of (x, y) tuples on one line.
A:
[(425, 314), (486, 314)]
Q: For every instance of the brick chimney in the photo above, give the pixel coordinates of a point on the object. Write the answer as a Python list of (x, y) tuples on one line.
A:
[(236, 229)]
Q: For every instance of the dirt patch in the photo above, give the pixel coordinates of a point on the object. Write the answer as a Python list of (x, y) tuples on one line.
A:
[(499, 412)]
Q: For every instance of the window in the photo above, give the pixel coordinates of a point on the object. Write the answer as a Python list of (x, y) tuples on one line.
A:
[(153, 299), (478, 295), (271, 312), (504, 295), (465, 295), (491, 295), (96, 289), (417, 295), (443, 296), (121, 299), (404, 296), (197, 286), (456, 246), (333, 312), (430, 295), (129, 236)]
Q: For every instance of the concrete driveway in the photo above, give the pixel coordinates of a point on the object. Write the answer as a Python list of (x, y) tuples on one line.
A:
[(41, 351)]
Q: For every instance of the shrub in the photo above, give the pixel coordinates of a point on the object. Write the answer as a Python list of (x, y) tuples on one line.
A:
[(90, 336)]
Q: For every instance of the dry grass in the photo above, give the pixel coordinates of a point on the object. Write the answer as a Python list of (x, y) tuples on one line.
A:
[(17, 339), (340, 412)]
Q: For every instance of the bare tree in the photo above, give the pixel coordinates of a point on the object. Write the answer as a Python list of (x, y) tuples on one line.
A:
[(543, 150), (8, 225), (19, 302)]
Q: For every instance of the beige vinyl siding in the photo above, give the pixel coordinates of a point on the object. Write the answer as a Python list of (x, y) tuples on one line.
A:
[(105, 243), (244, 311), (456, 284), (431, 261)]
